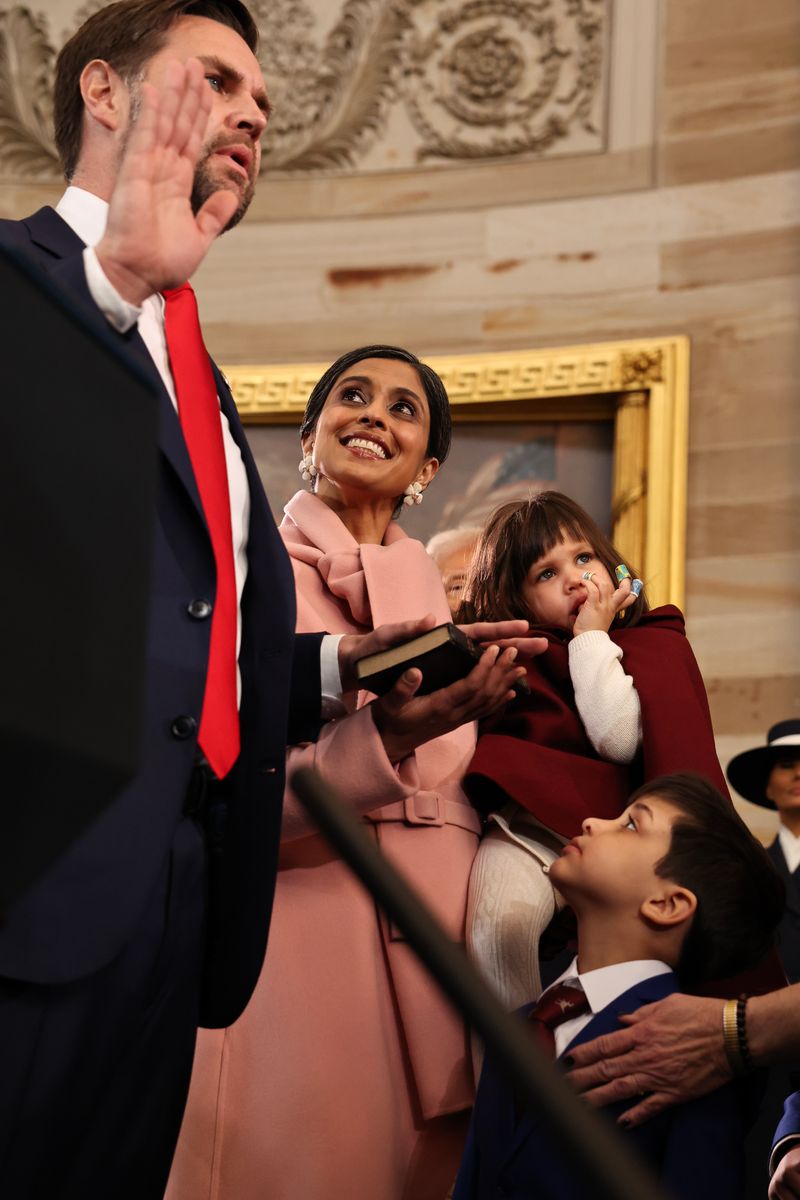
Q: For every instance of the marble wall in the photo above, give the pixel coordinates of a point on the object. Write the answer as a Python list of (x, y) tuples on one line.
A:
[(672, 209)]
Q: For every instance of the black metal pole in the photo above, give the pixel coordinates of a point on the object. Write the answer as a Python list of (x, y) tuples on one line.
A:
[(613, 1171)]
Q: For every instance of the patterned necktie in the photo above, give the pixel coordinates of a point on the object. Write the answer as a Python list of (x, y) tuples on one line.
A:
[(560, 1003), (198, 409)]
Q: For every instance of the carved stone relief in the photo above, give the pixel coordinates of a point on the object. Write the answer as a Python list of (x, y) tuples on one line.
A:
[(361, 86)]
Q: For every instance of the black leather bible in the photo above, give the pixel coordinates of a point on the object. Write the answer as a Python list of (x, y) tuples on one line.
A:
[(443, 654)]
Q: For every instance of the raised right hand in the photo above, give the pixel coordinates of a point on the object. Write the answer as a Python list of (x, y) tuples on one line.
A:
[(153, 239)]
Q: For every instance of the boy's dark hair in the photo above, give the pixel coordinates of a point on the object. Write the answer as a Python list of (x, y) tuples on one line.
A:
[(740, 896), (126, 35), (516, 535)]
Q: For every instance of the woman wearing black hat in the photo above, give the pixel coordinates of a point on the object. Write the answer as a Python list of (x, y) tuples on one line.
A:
[(770, 776)]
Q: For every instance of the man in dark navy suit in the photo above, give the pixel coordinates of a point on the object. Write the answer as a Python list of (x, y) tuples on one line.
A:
[(675, 888), (156, 918)]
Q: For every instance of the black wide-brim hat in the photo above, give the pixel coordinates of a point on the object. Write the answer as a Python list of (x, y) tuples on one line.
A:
[(749, 771)]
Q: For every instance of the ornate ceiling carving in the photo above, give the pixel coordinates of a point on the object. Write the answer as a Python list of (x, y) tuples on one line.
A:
[(373, 85)]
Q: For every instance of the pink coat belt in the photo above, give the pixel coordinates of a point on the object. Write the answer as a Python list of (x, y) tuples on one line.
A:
[(428, 808)]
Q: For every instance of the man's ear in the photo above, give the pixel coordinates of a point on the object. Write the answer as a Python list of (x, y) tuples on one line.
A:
[(105, 96), (669, 907)]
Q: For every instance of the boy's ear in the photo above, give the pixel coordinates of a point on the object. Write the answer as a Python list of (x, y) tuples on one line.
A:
[(669, 907)]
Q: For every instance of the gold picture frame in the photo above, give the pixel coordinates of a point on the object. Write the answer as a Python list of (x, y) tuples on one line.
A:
[(642, 385)]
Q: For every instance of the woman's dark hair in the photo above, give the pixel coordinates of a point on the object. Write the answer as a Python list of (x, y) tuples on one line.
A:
[(516, 535), (740, 896), (438, 404), (126, 35)]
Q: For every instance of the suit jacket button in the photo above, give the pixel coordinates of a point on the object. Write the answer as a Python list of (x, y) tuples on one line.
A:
[(183, 728), (200, 610)]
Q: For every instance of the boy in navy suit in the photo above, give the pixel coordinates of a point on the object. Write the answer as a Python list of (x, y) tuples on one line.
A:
[(675, 889)]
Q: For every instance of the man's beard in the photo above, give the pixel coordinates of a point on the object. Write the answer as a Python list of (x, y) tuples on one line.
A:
[(204, 185)]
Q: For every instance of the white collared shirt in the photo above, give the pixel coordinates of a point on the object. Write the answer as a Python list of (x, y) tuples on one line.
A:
[(790, 845), (601, 987), (86, 214)]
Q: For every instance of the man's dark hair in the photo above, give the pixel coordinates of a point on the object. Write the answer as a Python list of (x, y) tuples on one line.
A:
[(441, 427), (126, 35), (740, 896)]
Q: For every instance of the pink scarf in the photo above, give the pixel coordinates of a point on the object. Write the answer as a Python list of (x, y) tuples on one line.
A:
[(395, 581)]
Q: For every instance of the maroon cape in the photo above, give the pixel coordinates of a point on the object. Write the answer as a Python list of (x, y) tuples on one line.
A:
[(537, 753)]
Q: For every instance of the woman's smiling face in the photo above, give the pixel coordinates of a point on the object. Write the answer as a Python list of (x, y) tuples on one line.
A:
[(372, 435)]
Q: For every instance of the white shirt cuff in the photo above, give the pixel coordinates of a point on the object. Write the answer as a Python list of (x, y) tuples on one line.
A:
[(330, 676), (117, 311)]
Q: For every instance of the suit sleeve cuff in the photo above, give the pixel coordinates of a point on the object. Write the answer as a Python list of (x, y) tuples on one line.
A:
[(780, 1148), (117, 311)]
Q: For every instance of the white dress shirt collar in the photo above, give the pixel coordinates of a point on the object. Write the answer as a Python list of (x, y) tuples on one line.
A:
[(604, 984), (790, 845), (85, 213), (601, 987)]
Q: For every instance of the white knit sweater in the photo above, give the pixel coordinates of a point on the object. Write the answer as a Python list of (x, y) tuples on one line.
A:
[(607, 701)]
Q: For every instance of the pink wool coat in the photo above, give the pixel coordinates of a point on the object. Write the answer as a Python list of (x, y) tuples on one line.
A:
[(337, 1079)]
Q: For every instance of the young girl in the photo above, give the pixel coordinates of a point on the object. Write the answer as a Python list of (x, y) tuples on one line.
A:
[(617, 699)]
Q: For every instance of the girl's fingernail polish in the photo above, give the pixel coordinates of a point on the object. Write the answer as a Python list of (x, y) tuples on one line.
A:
[(636, 587), (622, 572)]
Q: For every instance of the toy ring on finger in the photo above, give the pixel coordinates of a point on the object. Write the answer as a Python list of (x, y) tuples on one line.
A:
[(587, 575)]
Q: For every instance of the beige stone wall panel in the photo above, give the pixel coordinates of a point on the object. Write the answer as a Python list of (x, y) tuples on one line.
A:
[(752, 99), (726, 155), (701, 21), (733, 258), (743, 529), (722, 54)]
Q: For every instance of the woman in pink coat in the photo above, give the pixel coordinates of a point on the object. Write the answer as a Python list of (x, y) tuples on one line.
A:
[(348, 1076)]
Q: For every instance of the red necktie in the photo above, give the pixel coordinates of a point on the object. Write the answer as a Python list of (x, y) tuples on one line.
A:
[(198, 409), (561, 1003)]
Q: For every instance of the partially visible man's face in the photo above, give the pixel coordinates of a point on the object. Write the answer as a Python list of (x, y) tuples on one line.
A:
[(231, 155), (454, 567)]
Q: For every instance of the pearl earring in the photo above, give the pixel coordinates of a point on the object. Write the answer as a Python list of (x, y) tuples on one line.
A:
[(307, 468), (413, 494)]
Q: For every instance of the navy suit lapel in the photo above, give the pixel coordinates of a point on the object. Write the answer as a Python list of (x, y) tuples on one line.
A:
[(52, 234), (606, 1021), (776, 854), (259, 507), (791, 880)]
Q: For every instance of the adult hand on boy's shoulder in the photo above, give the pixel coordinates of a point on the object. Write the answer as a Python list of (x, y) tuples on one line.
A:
[(785, 1183), (669, 1052)]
